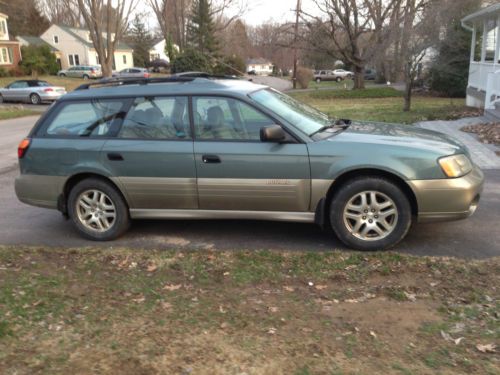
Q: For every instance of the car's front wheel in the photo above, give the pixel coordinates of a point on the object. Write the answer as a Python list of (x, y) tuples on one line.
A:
[(370, 213), (338, 79), (318, 80), (98, 210)]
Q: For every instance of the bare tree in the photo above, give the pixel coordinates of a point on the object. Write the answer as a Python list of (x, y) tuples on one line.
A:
[(64, 12), (173, 15), (107, 24), (356, 29)]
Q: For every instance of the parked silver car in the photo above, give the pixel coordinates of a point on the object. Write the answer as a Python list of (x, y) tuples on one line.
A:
[(82, 71), (31, 91), (132, 73)]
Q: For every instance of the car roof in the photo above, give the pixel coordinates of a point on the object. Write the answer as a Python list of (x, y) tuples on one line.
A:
[(198, 86)]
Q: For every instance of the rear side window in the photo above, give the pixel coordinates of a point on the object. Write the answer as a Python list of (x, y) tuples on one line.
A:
[(157, 118), (84, 119)]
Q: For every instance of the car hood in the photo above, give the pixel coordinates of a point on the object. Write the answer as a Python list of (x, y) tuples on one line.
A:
[(400, 135)]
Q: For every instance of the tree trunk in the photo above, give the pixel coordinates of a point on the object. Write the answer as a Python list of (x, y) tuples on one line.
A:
[(408, 87), (359, 79)]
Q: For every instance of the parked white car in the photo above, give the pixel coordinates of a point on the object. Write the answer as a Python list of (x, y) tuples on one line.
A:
[(344, 74), (31, 91)]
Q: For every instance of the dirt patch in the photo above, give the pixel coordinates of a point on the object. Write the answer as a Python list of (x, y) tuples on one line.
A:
[(487, 133), (117, 311)]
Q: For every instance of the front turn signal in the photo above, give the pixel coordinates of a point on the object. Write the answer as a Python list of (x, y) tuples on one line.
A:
[(23, 147)]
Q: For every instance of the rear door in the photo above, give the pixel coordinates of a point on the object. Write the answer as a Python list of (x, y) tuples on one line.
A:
[(151, 157), (236, 171)]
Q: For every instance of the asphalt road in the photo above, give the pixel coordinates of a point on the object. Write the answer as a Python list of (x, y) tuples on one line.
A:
[(477, 237)]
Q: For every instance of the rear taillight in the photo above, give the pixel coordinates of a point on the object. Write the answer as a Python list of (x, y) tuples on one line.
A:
[(23, 147), (48, 90), (146, 75)]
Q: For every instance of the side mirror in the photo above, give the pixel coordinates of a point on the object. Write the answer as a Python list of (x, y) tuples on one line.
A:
[(272, 133)]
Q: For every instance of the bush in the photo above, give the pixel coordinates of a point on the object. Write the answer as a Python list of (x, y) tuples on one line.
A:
[(4, 72), (38, 60), (376, 92), (230, 65), (189, 61), (304, 76)]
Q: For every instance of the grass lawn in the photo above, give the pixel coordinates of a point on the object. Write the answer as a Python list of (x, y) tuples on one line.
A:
[(357, 106), (117, 311), (8, 113)]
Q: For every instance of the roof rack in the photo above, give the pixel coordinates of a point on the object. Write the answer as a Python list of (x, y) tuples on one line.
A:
[(117, 81), (180, 77)]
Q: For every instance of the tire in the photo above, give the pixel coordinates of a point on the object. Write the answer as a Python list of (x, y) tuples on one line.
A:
[(94, 228), (62, 75), (85, 77), (385, 229), (1, 99), (35, 99), (349, 76), (318, 80), (338, 79)]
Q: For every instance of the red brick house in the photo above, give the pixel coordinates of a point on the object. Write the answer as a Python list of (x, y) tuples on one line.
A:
[(10, 51)]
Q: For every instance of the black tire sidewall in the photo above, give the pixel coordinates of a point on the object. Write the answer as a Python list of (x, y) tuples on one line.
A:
[(122, 221), (348, 190)]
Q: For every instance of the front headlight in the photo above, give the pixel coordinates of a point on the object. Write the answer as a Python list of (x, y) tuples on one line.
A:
[(455, 165)]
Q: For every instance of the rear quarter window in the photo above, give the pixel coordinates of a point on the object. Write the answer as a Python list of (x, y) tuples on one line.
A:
[(83, 119)]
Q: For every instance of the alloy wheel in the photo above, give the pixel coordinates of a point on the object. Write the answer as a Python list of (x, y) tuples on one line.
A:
[(95, 210), (370, 215)]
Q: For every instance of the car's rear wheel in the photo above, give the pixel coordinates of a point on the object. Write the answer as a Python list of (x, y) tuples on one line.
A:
[(338, 79), (370, 213), (85, 77), (35, 99), (62, 75), (98, 210), (318, 80), (1, 99)]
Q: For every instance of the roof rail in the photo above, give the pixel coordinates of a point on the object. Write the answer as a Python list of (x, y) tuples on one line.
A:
[(117, 81), (180, 77)]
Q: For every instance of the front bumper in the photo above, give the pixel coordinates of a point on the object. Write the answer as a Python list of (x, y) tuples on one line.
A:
[(448, 199)]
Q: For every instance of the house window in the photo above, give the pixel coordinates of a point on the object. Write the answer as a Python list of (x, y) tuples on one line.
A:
[(124, 59), (3, 27), (74, 60), (5, 56), (491, 40), (56, 39)]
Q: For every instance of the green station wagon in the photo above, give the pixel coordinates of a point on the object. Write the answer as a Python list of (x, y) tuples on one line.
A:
[(213, 148)]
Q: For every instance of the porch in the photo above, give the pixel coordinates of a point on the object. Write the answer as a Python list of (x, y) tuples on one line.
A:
[(483, 89)]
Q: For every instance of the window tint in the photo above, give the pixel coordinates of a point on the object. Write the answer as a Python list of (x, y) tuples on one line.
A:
[(93, 118), (157, 118), (227, 119), (18, 85)]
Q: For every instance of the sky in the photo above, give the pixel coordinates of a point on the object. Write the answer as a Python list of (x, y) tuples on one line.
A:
[(259, 11)]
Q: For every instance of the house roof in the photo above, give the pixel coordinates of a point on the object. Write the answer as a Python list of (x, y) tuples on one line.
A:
[(69, 30), (36, 41), (258, 61), (488, 11)]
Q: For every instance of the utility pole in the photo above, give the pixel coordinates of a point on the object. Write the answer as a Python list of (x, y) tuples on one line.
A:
[(296, 38)]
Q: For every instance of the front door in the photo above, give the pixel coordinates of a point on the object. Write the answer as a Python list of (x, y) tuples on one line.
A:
[(17, 91), (152, 155), (236, 171)]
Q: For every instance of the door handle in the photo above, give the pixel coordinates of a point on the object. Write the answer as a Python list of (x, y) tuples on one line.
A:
[(210, 159), (115, 156)]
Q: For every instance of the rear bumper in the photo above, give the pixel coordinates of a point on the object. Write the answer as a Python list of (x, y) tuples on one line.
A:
[(448, 199), (48, 96), (38, 190)]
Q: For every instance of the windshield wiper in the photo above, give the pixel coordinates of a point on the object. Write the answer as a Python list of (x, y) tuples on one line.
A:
[(340, 124)]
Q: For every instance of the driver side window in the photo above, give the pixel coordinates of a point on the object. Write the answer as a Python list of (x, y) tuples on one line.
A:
[(218, 118)]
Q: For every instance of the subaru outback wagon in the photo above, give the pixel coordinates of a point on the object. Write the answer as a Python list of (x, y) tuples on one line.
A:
[(207, 148)]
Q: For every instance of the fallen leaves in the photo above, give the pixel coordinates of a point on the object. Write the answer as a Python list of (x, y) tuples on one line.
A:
[(487, 348), (448, 337), (172, 287)]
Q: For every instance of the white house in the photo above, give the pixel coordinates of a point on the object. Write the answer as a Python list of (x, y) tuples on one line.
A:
[(260, 66), (76, 48), (483, 89), (158, 51)]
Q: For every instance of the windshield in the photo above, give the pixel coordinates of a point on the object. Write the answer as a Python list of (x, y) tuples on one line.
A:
[(304, 117)]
